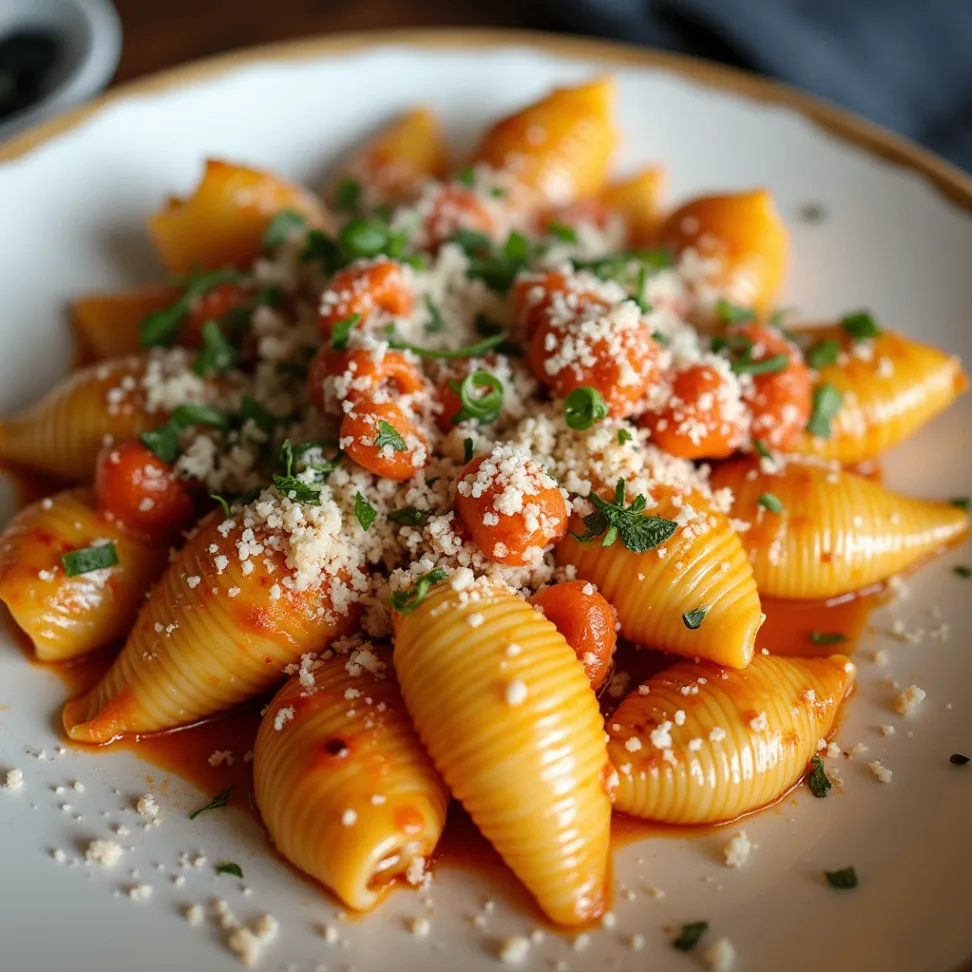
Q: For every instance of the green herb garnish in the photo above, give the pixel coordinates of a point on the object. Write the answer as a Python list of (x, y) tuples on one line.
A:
[(693, 619), (280, 227), (187, 415), (583, 407), (826, 404), (860, 326), (822, 354), (467, 451), (843, 880), (962, 571), (690, 935), (466, 176), (561, 231), (347, 196), (624, 436), (961, 502), (217, 802), (388, 435), (734, 314), (405, 602), (761, 449), (216, 354), (161, 328), (435, 323), (87, 559), (958, 759), (484, 409), (617, 266), (813, 213), (287, 484), (770, 502), (230, 868), (470, 351), (410, 516), (827, 637), (364, 512), (817, 779), (164, 442), (612, 519), (224, 504), (342, 331)]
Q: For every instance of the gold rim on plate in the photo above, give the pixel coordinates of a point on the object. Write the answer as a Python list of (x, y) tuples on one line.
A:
[(954, 184)]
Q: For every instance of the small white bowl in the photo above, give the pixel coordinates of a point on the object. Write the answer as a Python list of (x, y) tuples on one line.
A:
[(88, 33)]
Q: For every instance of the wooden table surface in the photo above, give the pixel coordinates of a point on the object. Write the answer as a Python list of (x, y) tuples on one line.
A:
[(162, 33)]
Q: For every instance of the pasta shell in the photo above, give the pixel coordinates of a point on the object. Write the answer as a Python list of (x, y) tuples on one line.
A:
[(401, 156), (65, 616), (738, 245), (638, 200), (890, 387), (107, 325), (224, 220), (837, 532), (701, 566), (517, 736), (561, 145), (742, 740), (346, 790), (63, 433), (209, 637)]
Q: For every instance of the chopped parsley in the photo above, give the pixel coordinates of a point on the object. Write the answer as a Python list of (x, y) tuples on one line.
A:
[(561, 231), (347, 196), (484, 409), (342, 331), (217, 354), (388, 435), (693, 619), (817, 779), (826, 404), (843, 879), (435, 324), (583, 407), (827, 637), (187, 415), (689, 936), (813, 213), (252, 410), (860, 326), (961, 502), (620, 265), (161, 328), (624, 435), (280, 227), (612, 519), (466, 176), (228, 867), (164, 442), (958, 759), (217, 802), (405, 602), (761, 449), (287, 484), (962, 571), (734, 314), (823, 354), (770, 502), (364, 512), (410, 516), (87, 559)]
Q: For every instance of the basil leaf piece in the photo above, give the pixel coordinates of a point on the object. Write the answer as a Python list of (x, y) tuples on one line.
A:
[(87, 559)]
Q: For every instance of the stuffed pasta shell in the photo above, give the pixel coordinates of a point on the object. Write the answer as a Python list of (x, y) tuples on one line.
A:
[(885, 387), (698, 743), (561, 145), (342, 782), (690, 594), (216, 630), (66, 609), (64, 431), (816, 531), (507, 714), (223, 222)]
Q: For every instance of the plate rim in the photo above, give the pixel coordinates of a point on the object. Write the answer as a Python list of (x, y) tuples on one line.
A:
[(870, 137)]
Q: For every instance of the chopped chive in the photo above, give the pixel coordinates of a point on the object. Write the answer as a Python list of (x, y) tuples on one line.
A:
[(467, 451), (435, 323), (484, 409), (87, 559), (223, 504), (827, 637), (761, 449), (583, 407), (770, 502)]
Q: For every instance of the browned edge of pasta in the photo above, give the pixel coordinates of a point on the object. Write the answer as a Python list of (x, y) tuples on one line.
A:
[(948, 180)]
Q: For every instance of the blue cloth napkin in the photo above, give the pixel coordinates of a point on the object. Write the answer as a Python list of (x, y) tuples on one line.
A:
[(906, 64)]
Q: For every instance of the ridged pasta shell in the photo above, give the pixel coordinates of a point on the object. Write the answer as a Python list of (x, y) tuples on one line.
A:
[(561, 145), (742, 739), (888, 392), (342, 782), (63, 433), (65, 616), (837, 532), (702, 565), (517, 736), (107, 325), (207, 638)]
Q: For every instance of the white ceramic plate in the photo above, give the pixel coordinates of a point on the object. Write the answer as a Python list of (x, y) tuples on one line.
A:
[(73, 213)]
